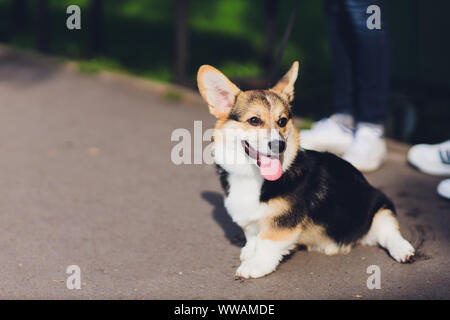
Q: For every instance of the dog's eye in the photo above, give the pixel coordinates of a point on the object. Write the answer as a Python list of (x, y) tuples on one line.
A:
[(255, 121), (282, 122)]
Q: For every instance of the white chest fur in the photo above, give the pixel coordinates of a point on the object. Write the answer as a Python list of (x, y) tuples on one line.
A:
[(242, 202)]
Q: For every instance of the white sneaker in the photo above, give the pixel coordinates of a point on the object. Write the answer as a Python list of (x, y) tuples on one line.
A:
[(327, 135), (433, 159), (443, 189), (368, 150)]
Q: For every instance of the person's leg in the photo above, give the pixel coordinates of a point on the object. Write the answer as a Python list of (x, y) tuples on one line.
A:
[(371, 72), (334, 134), (339, 30), (371, 63)]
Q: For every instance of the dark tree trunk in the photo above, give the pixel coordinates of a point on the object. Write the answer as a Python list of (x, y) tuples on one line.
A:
[(19, 16), (181, 41), (267, 57), (97, 36), (42, 26)]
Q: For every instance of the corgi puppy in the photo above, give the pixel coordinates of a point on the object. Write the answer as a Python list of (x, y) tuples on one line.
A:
[(282, 195)]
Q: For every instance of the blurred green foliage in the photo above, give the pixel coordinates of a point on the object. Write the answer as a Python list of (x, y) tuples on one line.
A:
[(139, 35)]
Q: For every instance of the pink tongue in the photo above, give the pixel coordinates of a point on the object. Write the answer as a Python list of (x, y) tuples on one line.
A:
[(270, 168)]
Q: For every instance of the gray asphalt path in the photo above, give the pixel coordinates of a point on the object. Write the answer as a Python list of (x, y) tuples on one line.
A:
[(86, 179)]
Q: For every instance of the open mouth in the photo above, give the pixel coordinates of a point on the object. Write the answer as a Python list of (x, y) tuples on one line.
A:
[(270, 167), (252, 153)]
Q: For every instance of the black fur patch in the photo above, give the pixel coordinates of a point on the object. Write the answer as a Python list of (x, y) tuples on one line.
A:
[(233, 116), (330, 192), (223, 175)]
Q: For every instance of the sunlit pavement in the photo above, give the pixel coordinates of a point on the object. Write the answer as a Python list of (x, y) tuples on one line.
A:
[(87, 179)]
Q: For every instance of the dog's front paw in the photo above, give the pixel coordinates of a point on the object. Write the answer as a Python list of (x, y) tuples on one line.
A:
[(247, 251), (255, 268), (401, 250)]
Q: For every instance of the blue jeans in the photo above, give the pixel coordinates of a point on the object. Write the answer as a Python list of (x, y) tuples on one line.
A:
[(361, 60)]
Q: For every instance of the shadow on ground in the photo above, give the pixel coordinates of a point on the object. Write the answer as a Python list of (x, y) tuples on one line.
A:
[(231, 230)]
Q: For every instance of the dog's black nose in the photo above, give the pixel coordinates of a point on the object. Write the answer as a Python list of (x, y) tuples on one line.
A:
[(277, 146)]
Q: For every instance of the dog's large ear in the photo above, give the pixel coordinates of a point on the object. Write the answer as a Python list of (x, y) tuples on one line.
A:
[(219, 92), (285, 87)]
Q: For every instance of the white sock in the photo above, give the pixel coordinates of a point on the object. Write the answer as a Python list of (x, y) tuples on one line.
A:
[(344, 119), (377, 128)]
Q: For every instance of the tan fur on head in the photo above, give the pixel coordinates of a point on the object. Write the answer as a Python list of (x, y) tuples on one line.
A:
[(235, 108), (220, 93)]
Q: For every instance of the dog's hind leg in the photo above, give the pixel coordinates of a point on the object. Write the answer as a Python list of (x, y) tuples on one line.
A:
[(385, 232)]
